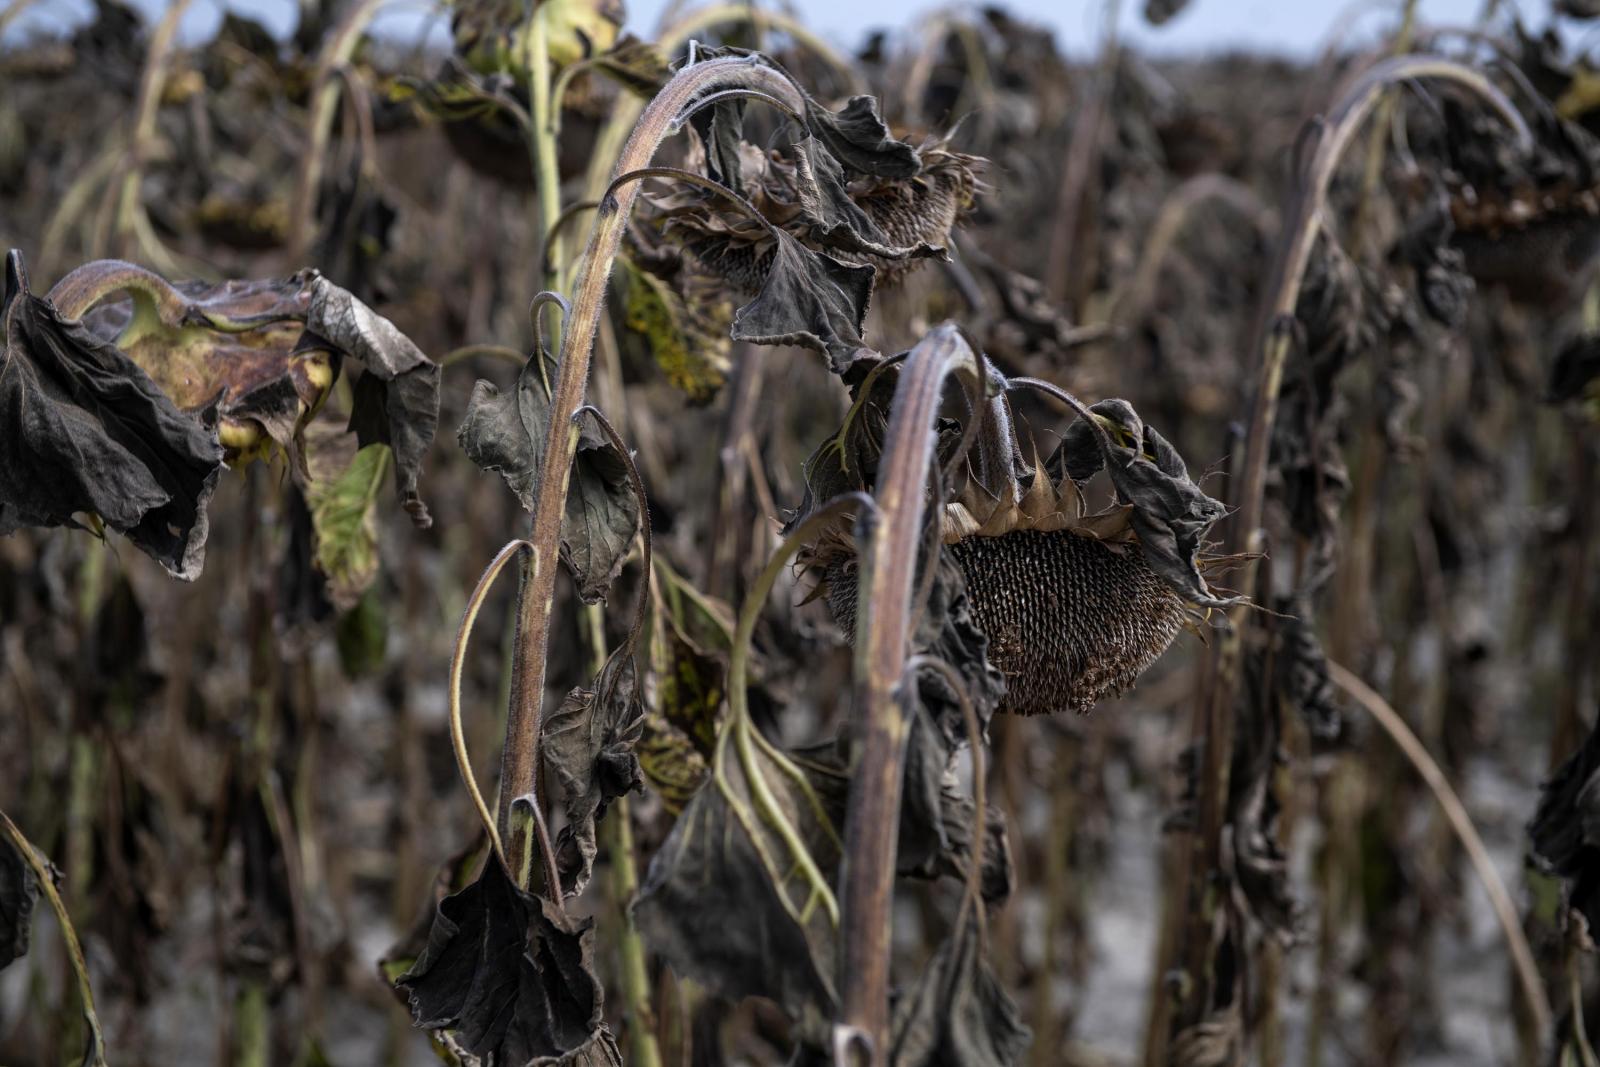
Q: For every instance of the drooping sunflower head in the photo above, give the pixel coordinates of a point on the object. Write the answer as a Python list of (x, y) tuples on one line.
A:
[(1075, 603)]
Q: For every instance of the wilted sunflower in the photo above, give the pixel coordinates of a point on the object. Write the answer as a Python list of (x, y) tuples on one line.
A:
[(843, 183), (1075, 604), (1529, 223)]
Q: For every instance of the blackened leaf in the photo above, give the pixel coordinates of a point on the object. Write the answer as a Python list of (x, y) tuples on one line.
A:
[(84, 430), (1260, 867), (505, 433), (809, 299), (1565, 831), (999, 873), (19, 892), (1157, 12), (958, 1014), (589, 748), (836, 220), (721, 128), (1302, 671), (1575, 374), (512, 977), (725, 904), (858, 138), (602, 516), (947, 631), (1171, 515), (400, 406)]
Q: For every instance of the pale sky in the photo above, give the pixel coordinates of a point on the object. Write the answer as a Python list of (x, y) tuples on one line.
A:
[(1294, 27)]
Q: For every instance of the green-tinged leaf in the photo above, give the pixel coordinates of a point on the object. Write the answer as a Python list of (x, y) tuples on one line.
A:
[(343, 493), (689, 642), (809, 299), (689, 340), (512, 977), (362, 635), (396, 402), (85, 431)]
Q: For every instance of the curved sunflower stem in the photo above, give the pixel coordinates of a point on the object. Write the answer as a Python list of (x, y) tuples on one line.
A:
[(458, 656), (1211, 727), (518, 764), (746, 738), (1505, 911), (96, 1056), (888, 573)]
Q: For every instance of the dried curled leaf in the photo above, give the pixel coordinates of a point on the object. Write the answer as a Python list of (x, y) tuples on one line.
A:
[(809, 299), (512, 977), (85, 431), (396, 402), (838, 221), (505, 433), (857, 137), (1169, 513), (589, 748), (958, 1013), (234, 345), (726, 904)]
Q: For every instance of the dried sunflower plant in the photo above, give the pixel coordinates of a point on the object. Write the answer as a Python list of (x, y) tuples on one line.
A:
[(973, 575), (972, 571)]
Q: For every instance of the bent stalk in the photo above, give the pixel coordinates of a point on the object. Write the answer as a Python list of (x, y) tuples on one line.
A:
[(518, 768), (888, 573)]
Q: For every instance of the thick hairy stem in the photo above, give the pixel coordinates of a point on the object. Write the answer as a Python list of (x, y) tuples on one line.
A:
[(518, 771), (80, 969), (1505, 911), (888, 572)]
